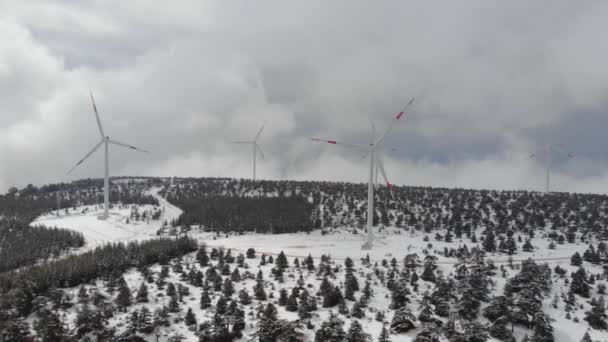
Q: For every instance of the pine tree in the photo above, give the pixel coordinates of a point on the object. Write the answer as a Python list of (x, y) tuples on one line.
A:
[(543, 331), (527, 247), (281, 261), (384, 334), (597, 315), (579, 283), (202, 257), (489, 244), (90, 321), (351, 284), (205, 299), (244, 297), (190, 318), (83, 296), (310, 263), (145, 320), (331, 330), (403, 321), (282, 297), (228, 288), (356, 334), (236, 275), (258, 291), (399, 295), (250, 253), (292, 303), (174, 304), (357, 309), (576, 259), (142, 293), (426, 311), (49, 327), (586, 338), (123, 299)]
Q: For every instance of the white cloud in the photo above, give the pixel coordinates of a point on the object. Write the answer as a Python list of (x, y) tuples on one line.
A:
[(184, 81)]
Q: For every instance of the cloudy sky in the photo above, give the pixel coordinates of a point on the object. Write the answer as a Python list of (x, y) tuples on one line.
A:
[(494, 82)]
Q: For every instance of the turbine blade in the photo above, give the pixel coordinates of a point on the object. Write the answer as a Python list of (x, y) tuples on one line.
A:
[(397, 118), (243, 142), (559, 149), (97, 117), (383, 172), (95, 148), (257, 136), (118, 143), (334, 142), (259, 150)]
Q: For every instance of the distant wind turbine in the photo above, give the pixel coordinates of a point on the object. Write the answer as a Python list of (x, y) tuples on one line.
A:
[(106, 141), (372, 151), (255, 147), (548, 151)]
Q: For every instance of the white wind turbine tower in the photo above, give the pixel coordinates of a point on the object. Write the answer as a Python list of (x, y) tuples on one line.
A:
[(373, 152), (106, 141), (255, 147), (547, 152)]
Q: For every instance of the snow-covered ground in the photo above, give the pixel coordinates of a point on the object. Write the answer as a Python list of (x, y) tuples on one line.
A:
[(119, 227), (339, 243), (392, 242)]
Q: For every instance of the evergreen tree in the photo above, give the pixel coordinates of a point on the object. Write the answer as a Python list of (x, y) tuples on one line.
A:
[(356, 333), (586, 338), (228, 288), (399, 294), (310, 263), (202, 257), (331, 330), (281, 261), (190, 318), (90, 322), (489, 243), (205, 299), (292, 303), (142, 293), (597, 315), (174, 304), (576, 259), (351, 284), (527, 247), (384, 334), (357, 309), (258, 291), (83, 296), (123, 299), (543, 331), (49, 327), (579, 283), (244, 297), (403, 321), (282, 297)]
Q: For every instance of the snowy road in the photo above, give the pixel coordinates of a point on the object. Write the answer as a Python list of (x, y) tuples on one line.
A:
[(117, 228)]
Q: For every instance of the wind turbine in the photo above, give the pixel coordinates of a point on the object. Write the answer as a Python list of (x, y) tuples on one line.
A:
[(373, 153), (549, 150), (106, 141), (255, 147)]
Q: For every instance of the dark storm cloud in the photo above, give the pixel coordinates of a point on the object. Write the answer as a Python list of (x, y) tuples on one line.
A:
[(494, 81)]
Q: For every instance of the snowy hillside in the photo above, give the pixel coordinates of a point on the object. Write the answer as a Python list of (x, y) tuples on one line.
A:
[(447, 265)]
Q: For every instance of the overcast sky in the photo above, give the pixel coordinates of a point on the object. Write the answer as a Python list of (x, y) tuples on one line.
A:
[(494, 82)]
